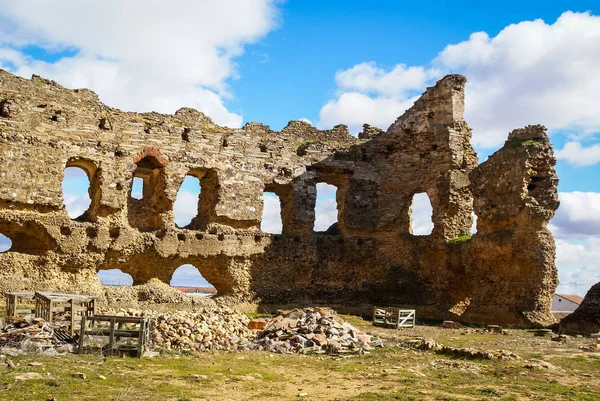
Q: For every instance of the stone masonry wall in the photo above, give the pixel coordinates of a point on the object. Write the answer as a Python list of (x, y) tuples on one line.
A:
[(505, 273)]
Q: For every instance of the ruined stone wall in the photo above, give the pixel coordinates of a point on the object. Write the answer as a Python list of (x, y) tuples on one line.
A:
[(505, 273)]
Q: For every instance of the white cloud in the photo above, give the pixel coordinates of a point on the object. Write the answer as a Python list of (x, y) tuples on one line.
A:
[(577, 216), (355, 109), (576, 228), (530, 73), (153, 56), (368, 78), (579, 156), (185, 208), (578, 263), (76, 205)]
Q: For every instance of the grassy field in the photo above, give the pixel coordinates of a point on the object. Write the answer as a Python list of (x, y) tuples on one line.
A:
[(563, 372)]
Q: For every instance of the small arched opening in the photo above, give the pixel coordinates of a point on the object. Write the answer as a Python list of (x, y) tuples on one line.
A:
[(114, 278), (326, 208), (80, 189), (188, 279), (5, 243), (27, 236), (421, 213)]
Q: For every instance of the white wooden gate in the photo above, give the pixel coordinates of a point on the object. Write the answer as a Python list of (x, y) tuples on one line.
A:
[(393, 317)]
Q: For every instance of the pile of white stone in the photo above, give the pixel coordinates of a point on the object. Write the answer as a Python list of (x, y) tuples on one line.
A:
[(218, 329), (312, 330), (200, 330)]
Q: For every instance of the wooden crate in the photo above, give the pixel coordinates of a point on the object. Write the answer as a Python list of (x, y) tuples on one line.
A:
[(393, 317), (134, 330), (64, 311), (12, 304)]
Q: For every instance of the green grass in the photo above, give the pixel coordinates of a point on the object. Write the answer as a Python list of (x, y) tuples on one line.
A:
[(253, 315), (515, 143), (391, 373), (461, 239)]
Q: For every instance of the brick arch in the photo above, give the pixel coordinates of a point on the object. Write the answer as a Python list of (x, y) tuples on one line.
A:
[(153, 155)]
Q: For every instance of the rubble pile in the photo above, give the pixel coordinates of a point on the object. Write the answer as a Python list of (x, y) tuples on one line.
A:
[(204, 329), (312, 330), (220, 329), (469, 353), (29, 329)]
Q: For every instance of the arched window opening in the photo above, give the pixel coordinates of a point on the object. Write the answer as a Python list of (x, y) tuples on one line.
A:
[(5, 243), (421, 215), (76, 191), (271, 218), (326, 210), (186, 204), (114, 278), (137, 188), (189, 280)]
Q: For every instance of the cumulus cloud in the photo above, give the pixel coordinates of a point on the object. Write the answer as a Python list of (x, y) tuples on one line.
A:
[(578, 264), (77, 205), (530, 73), (355, 109), (159, 56), (576, 228), (185, 208), (577, 216), (400, 80), (579, 156)]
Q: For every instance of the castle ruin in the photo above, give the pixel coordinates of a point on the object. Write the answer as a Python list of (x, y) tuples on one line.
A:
[(504, 273)]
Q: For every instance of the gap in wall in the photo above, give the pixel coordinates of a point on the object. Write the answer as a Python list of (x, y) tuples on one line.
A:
[(115, 278), (187, 278), (326, 210), (137, 188), (75, 186), (186, 203), (5, 243), (271, 218), (421, 215)]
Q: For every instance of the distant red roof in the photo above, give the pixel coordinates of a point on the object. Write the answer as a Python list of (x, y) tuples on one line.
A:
[(573, 298), (204, 290)]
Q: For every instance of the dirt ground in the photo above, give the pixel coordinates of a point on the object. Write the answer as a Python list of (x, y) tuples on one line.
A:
[(547, 370)]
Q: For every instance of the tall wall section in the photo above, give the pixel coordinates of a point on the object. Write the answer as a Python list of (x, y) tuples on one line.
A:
[(504, 273)]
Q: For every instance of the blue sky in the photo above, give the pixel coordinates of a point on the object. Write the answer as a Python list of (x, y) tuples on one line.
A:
[(339, 62)]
